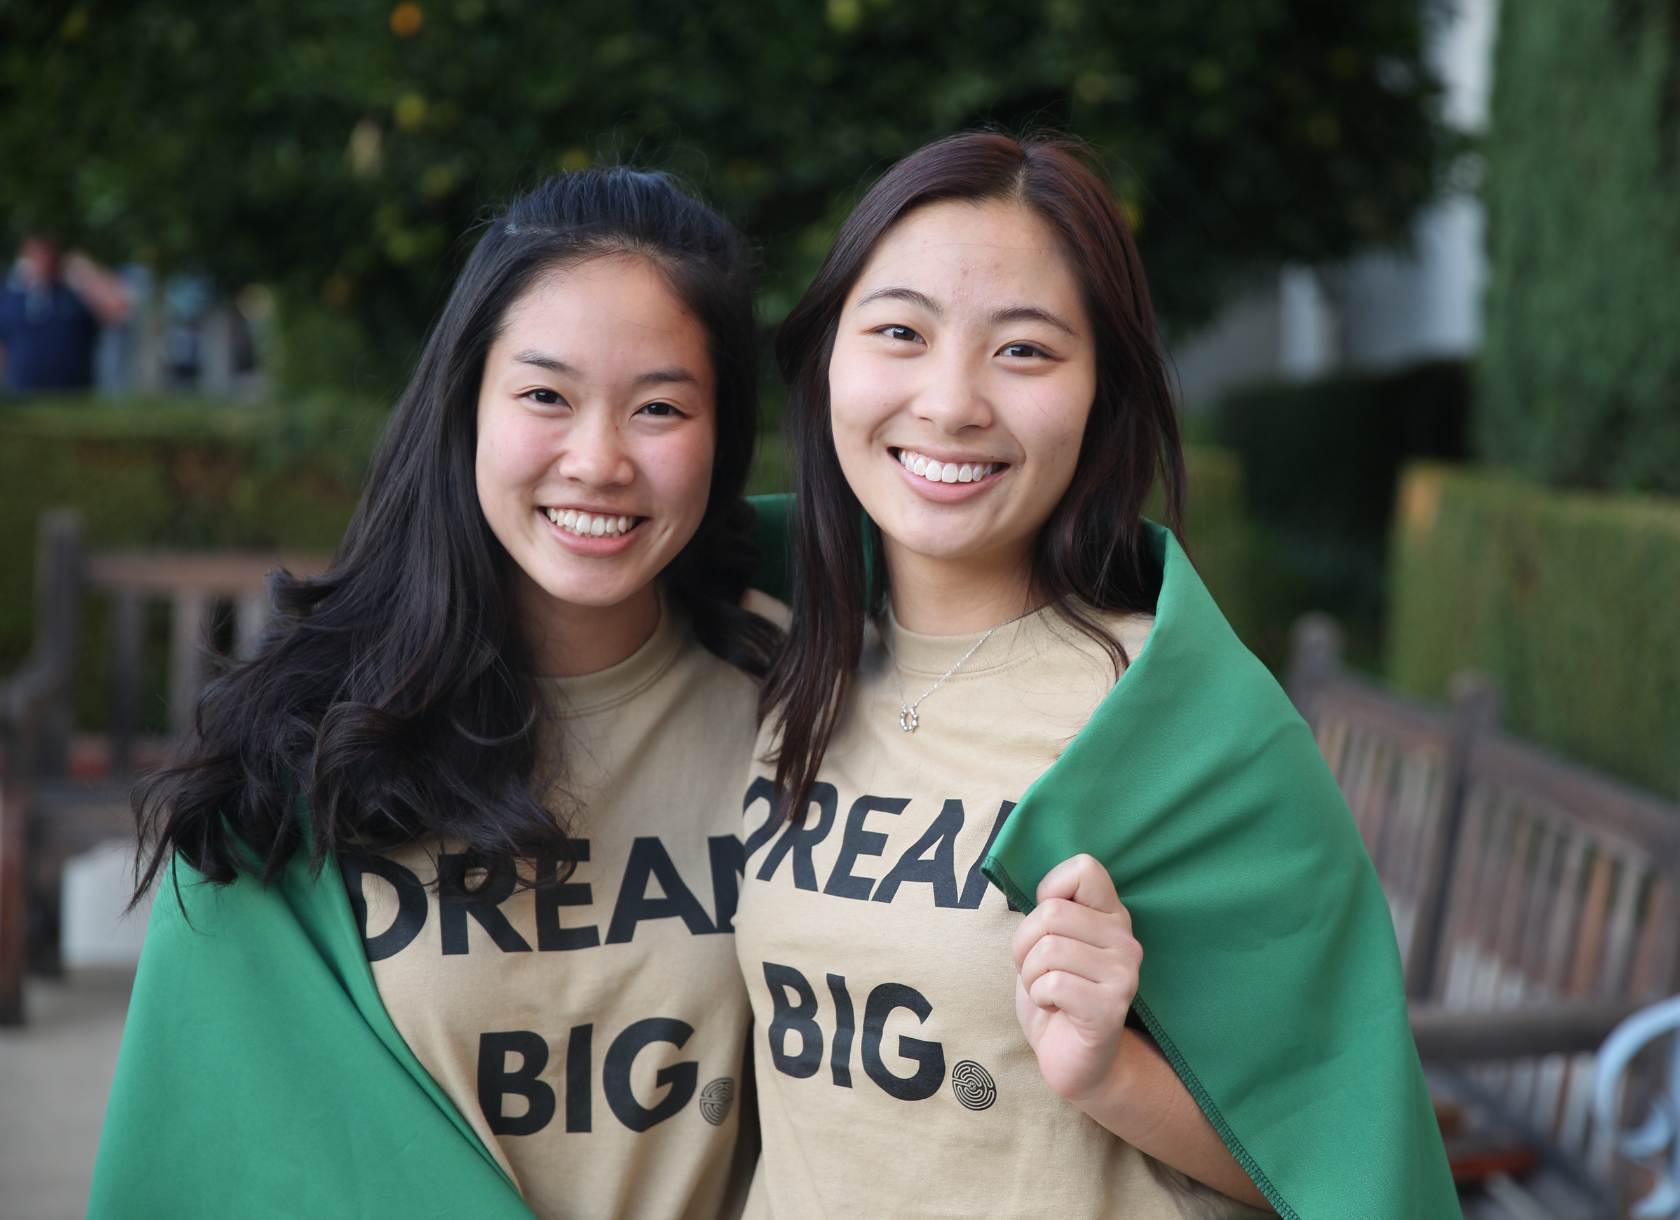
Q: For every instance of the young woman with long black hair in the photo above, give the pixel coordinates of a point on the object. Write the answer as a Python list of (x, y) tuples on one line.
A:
[(448, 868), (1030, 688)]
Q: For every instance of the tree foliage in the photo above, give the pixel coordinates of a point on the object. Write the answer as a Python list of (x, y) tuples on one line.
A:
[(336, 151), (1579, 378)]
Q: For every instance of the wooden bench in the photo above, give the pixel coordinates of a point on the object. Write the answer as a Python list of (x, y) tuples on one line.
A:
[(58, 797), (1536, 904)]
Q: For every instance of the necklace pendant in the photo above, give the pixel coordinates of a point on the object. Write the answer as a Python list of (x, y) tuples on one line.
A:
[(907, 719)]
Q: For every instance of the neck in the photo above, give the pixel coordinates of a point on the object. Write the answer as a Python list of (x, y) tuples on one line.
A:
[(567, 641), (957, 596)]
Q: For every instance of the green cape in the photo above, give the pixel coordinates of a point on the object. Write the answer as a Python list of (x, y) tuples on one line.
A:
[(1271, 979), (260, 1074)]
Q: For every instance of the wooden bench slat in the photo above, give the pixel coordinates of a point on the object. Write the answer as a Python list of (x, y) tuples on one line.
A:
[(1633, 871), (187, 646), (1657, 942), (127, 644)]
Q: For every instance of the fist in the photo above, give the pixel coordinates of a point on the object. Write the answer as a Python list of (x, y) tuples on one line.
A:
[(1076, 964)]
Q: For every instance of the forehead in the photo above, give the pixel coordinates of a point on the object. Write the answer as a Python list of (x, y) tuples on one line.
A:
[(615, 304), (964, 251)]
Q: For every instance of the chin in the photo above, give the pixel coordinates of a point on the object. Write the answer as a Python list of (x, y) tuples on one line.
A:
[(935, 546), (595, 594)]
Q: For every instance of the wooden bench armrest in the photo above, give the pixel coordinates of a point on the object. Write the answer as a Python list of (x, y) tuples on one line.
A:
[(1446, 1035)]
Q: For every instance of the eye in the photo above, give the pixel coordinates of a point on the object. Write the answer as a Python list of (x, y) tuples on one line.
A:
[(898, 333), (1023, 351), (661, 410), (545, 396)]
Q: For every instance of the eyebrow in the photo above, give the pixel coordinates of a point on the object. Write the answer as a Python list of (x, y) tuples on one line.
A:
[(669, 376), (1031, 313), (1013, 313)]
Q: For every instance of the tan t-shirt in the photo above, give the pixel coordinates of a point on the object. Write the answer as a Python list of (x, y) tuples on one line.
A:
[(893, 1076), (593, 1033)]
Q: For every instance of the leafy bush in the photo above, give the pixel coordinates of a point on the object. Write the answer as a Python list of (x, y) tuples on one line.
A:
[(1579, 377), (337, 152), (1566, 600)]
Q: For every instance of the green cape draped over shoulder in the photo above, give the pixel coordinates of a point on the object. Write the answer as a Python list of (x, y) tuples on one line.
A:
[(1270, 978), (260, 1074)]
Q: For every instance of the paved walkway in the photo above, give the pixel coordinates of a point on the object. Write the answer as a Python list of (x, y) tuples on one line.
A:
[(54, 1075)]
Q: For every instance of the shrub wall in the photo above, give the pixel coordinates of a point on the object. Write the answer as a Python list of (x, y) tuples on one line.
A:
[(1578, 382), (1569, 601), (1320, 462)]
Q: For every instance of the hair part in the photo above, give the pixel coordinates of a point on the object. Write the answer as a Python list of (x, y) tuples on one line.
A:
[(1091, 554), (393, 699)]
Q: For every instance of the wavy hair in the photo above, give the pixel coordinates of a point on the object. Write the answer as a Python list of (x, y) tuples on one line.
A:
[(392, 699)]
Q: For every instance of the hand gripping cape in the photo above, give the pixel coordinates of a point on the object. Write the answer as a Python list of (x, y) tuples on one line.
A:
[(1271, 979)]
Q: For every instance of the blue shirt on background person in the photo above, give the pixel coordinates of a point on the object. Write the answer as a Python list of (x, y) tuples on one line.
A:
[(49, 336), (51, 311)]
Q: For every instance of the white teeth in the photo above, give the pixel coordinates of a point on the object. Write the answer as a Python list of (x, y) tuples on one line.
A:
[(945, 472), (589, 525)]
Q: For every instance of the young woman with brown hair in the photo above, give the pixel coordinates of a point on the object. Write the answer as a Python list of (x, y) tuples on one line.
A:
[(977, 398)]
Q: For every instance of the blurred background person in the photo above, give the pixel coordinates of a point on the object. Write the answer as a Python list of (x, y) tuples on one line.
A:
[(51, 312)]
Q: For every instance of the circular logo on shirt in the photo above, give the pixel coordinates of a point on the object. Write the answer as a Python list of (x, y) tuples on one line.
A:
[(715, 1100), (973, 1085)]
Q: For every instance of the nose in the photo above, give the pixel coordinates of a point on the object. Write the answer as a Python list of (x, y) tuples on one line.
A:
[(954, 399), (595, 454)]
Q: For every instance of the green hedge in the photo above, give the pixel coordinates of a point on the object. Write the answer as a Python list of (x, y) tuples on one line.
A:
[(1568, 601), (1321, 461), (1222, 544), (1325, 454), (1579, 376)]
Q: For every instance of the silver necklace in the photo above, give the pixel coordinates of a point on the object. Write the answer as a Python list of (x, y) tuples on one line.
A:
[(908, 719)]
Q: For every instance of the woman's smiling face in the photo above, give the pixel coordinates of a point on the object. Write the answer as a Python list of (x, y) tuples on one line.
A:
[(597, 425), (962, 374)]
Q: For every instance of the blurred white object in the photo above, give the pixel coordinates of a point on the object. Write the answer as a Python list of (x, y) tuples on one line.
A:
[(96, 932), (1655, 1142)]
